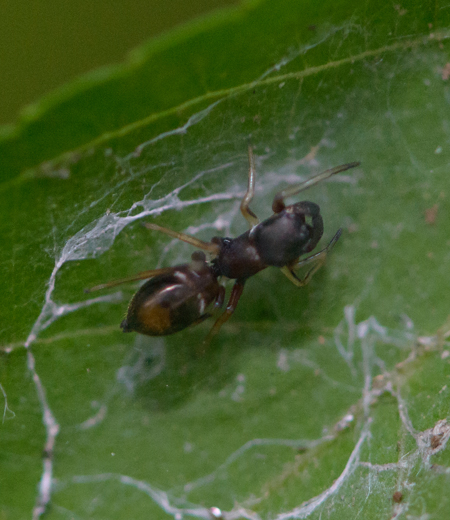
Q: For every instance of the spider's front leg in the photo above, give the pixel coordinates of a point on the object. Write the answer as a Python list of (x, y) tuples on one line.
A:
[(318, 259), (278, 204)]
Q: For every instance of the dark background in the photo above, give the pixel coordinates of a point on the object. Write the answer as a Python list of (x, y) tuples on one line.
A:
[(46, 43)]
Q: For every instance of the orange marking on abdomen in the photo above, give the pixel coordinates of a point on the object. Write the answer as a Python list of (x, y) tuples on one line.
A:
[(156, 319)]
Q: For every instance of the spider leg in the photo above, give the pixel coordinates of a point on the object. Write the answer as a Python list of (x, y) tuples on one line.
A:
[(220, 298), (236, 293), (278, 201), (248, 214), (319, 259), (140, 276), (206, 246), (202, 318)]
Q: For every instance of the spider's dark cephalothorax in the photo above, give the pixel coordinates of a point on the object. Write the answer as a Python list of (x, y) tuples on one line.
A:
[(176, 297)]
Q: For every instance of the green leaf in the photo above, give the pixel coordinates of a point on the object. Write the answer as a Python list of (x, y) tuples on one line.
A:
[(328, 401)]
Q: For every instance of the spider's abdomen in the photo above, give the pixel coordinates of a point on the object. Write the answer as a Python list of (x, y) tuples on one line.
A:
[(171, 302)]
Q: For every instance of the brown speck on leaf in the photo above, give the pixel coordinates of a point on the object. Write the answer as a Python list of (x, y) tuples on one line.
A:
[(435, 441), (397, 497), (378, 381), (321, 340), (431, 214), (446, 72)]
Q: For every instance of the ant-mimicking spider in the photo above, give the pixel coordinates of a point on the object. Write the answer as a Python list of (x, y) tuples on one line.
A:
[(176, 297)]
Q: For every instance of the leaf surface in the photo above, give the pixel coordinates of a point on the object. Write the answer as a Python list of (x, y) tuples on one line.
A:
[(328, 401)]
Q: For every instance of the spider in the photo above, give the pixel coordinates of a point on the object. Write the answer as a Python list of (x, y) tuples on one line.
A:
[(177, 297)]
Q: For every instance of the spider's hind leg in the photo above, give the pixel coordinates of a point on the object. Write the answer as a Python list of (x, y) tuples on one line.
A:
[(144, 275)]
